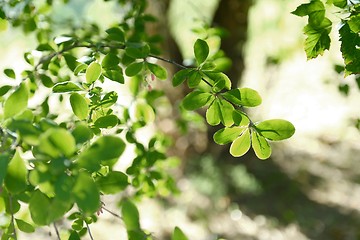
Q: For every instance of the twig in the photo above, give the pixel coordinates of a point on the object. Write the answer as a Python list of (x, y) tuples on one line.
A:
[(89, 231), (56, 231), (12, 217), (168, 61), (112, 213)]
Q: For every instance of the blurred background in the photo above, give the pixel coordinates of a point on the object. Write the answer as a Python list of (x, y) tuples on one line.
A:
[(308, 189)]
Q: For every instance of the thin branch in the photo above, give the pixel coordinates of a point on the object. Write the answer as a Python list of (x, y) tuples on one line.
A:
[(56, 231), (168, 61), (89, 231), (112, 213), (12, 217)]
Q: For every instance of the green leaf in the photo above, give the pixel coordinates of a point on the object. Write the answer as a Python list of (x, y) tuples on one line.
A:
[(241, 145), (197, 99), (57, 142), (243, 96), (228, 134), (354, 23), (103, 149), (194, 79), (108, 121), (81, 68), (157, 70), (115, 75), (4, 89), (144, 112), (46, 80), (93, 72), (71, 61), (115, 34), (178, 235), (137, 51), (318, 39), (130, 216), (213, 114), (16, 102), (134, 68), (24, 226), (349, 49), (82, 133), (66, 87), (261, 147), (10, 73), (340, 3), (113, 183), (315, 10), (181, 76), (201, 51), (275, 129), (4, 161), (16, 176), (39, 207), (226, 112), (240, 119), (219, 80), (86, 193), (79, 106), (110, 61)]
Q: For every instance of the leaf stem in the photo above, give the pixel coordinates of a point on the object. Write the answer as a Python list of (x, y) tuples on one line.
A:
[(12, 217)]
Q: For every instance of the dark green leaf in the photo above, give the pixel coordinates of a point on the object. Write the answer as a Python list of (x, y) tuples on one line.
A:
[(157, 70), (24, 226), (349, 48), (340, 3), (66, 87), (201, 51), (93, 72), (4, 89), (115, 75), (4, 161), (86, 193), (181, 76), (39, 207), (134, 68), (16, 102), (113, 183), (275, 129), (219, 80), (71, 61), (226, 135), (241, 145), (243, 96), (110, 61), (79, 106), (45, 47), (46, 80), (115, 34), (108, 121), (194, 79), (10, 73), (261, 147), (137, 51), (82, 133), (197, 99)]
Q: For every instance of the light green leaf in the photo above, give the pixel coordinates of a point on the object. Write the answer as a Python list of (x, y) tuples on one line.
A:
[(213, 113), (66, 87), (240, 119), (178, 235), (93, 72), (82, 133), (219, 80), (16, 102), (261, 147), (16, 176), (107, 121), (318, 39), (113, 183), (130, 215), (197, 99), (10, 73), (86, 193), (241, 145), (103, 149), (315, 10), (144, 112), (228, 134), (226, 112), (80, 68), (181, 76), (243, 96), (339, 3), (39, 207), (354, 23), (24, 226), (201, 51), (134, 68), (275, 129), (57, 142), (157, 70), (79, 106)]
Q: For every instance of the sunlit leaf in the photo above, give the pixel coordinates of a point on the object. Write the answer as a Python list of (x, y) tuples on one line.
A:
[(144, 112), (178, 235), (315, 10), (243, 96), (213, 114), (79, 106), (318, 39), (16, 176), (228, 134), (39, 207), (157, 70), (260, 145), (219, 80), (16, 102), (57, 142), (197, 99), (240, 119), (66, 87), (110, 61), (107, 121), (201, 51), (113, 183), (24, 226), (130, 215), (181, 76), (241, 145), (194, 79), (275, 129), (226, 112), (93, 72), (10, 73)]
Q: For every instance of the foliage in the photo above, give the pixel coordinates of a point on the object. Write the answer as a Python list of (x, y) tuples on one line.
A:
[(319, 27), (73, 156)]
